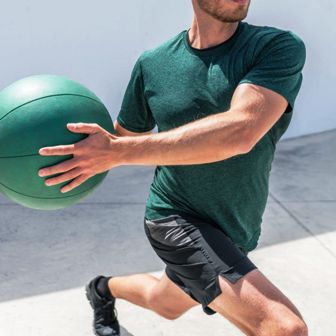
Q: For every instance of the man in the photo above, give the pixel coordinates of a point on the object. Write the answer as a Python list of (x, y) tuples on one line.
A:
[(222, 94)]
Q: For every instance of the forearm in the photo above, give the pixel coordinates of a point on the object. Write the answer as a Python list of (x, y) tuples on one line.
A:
[(210, 139)]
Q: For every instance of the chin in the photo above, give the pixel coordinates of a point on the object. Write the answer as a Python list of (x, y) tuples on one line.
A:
[(231, 19)]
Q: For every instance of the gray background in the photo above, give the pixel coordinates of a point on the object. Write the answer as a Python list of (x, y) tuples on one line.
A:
[(97, 43)]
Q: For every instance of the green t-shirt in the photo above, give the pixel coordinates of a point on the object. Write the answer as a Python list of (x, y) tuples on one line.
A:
[(175, 84)]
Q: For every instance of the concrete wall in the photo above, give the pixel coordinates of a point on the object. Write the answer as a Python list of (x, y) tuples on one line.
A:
[(97, 43)]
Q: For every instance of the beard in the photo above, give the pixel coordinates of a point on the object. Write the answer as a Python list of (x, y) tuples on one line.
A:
[(221, 12)]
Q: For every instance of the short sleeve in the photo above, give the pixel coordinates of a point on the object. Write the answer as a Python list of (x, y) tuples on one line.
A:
[(278, 66), (135, 114)]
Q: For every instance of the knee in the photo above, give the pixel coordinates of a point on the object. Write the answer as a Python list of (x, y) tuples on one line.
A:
[(169, 315), (293, 326), (158, 304), (297, 328)]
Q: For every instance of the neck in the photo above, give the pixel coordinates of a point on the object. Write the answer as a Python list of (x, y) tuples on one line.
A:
[(206, 32)]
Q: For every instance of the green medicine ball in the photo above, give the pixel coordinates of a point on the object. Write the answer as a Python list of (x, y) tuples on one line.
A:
[(34, 112)]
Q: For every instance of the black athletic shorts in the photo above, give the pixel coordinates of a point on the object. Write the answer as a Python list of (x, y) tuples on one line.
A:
[(196, 253)]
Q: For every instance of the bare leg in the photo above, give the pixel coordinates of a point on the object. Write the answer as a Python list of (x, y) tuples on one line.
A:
[(160, 295), (257, 307)]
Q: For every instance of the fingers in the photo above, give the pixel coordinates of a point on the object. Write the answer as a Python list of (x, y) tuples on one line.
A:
[(84, 128), (70, 174), (75, 183), (64, 177), (59, 168), (69, 149), (57, 150)]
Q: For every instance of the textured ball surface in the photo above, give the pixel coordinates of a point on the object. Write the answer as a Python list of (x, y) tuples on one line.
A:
[(34, 112)]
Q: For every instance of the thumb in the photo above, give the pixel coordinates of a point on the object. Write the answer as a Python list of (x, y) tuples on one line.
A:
[(83, 128)]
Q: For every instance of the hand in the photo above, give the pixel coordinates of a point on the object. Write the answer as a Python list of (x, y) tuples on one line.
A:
[(95, 154)]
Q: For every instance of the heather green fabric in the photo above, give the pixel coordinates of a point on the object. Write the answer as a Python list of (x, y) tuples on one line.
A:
[(175, 84)]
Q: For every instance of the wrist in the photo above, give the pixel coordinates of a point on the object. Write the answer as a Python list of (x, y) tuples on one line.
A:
[(130, 149)]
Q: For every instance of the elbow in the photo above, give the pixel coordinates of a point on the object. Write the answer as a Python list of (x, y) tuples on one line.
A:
[(246, 147), (244, 134), (246, 143)]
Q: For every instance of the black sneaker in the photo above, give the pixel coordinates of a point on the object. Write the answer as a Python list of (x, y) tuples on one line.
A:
[(105, 322)]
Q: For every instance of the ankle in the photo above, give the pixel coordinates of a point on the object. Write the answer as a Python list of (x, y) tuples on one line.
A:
[(103, 288), (111, 283)]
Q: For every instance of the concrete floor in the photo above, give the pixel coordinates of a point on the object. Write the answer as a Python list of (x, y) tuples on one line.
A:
[(47, 257)]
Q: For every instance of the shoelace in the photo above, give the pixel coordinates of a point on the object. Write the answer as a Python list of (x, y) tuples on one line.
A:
[(106, 315)]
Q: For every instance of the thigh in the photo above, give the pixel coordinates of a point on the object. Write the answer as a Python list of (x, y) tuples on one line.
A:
[(253, 301), (170, 297)]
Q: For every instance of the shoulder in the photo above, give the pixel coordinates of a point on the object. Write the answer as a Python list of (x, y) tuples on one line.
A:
[(269, 35), (163, 51), (265, 40)]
